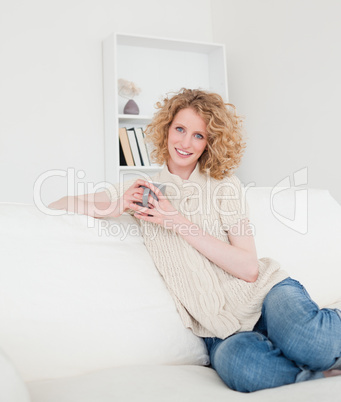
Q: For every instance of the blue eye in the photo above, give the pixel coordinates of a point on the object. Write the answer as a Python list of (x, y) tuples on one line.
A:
[(180, 129), (199, 136)]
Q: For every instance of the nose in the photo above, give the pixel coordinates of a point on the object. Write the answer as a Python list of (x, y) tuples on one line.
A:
[(186, 141)]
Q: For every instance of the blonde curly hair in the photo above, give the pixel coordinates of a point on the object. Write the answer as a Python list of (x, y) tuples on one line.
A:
[(225, 145)]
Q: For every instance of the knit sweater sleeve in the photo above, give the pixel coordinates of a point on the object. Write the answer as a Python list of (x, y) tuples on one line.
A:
[(233, 205)]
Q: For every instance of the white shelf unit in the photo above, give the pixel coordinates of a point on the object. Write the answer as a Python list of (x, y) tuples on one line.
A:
[(158, 66)]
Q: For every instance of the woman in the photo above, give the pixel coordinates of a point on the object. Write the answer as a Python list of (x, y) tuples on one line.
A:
[(260, 327)]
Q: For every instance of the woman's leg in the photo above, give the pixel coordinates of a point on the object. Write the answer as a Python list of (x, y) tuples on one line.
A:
[(305, 334), (248, 361)]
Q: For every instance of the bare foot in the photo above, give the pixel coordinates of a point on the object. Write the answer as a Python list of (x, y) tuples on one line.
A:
[(332, 373)]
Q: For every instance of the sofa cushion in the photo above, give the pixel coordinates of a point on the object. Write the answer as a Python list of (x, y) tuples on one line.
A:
[(80, 294), (172, 384)]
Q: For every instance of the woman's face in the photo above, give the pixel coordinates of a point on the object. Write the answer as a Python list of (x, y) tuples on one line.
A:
[(187, 140)]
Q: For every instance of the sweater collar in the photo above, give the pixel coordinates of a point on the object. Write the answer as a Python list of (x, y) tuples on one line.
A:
[(195, 177)]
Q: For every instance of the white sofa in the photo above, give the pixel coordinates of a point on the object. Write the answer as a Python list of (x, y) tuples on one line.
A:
[(85, 316)]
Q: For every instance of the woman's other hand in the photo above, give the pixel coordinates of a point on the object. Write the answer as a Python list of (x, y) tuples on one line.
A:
[(159, 211)]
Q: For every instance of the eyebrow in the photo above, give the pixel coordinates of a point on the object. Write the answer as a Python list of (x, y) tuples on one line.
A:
[(197, 131)]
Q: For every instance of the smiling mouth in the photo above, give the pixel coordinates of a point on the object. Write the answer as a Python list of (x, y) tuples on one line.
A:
[(182, 153)]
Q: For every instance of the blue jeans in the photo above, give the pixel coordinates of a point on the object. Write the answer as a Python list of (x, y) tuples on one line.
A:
[(293, 341)]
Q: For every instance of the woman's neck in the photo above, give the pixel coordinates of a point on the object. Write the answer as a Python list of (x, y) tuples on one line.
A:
[(184, 173)]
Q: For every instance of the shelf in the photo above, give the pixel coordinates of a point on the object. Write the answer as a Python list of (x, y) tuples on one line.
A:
[(160, 67), (156, 168), (134, 117), (166, 43)]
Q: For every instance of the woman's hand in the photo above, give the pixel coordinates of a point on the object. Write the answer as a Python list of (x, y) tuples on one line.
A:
[(159, 211), (59, 204), (133, 194)]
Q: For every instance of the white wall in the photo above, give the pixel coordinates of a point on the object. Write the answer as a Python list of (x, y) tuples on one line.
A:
[(284, 69), (51, 103)]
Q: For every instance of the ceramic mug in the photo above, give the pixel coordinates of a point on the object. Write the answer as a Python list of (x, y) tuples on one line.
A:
[(148, 191)]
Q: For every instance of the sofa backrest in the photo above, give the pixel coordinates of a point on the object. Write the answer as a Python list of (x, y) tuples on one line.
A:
[(302, 230)]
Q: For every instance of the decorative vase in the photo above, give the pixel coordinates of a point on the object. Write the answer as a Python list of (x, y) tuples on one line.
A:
[(131, 107)]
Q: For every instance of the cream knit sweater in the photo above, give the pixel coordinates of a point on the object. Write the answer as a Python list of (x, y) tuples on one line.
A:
[(211, 302)]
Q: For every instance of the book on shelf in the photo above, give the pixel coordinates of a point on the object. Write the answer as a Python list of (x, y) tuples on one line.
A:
[(123, 161), (134, 147), (150, 148), (142, 146), (126, 156)]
